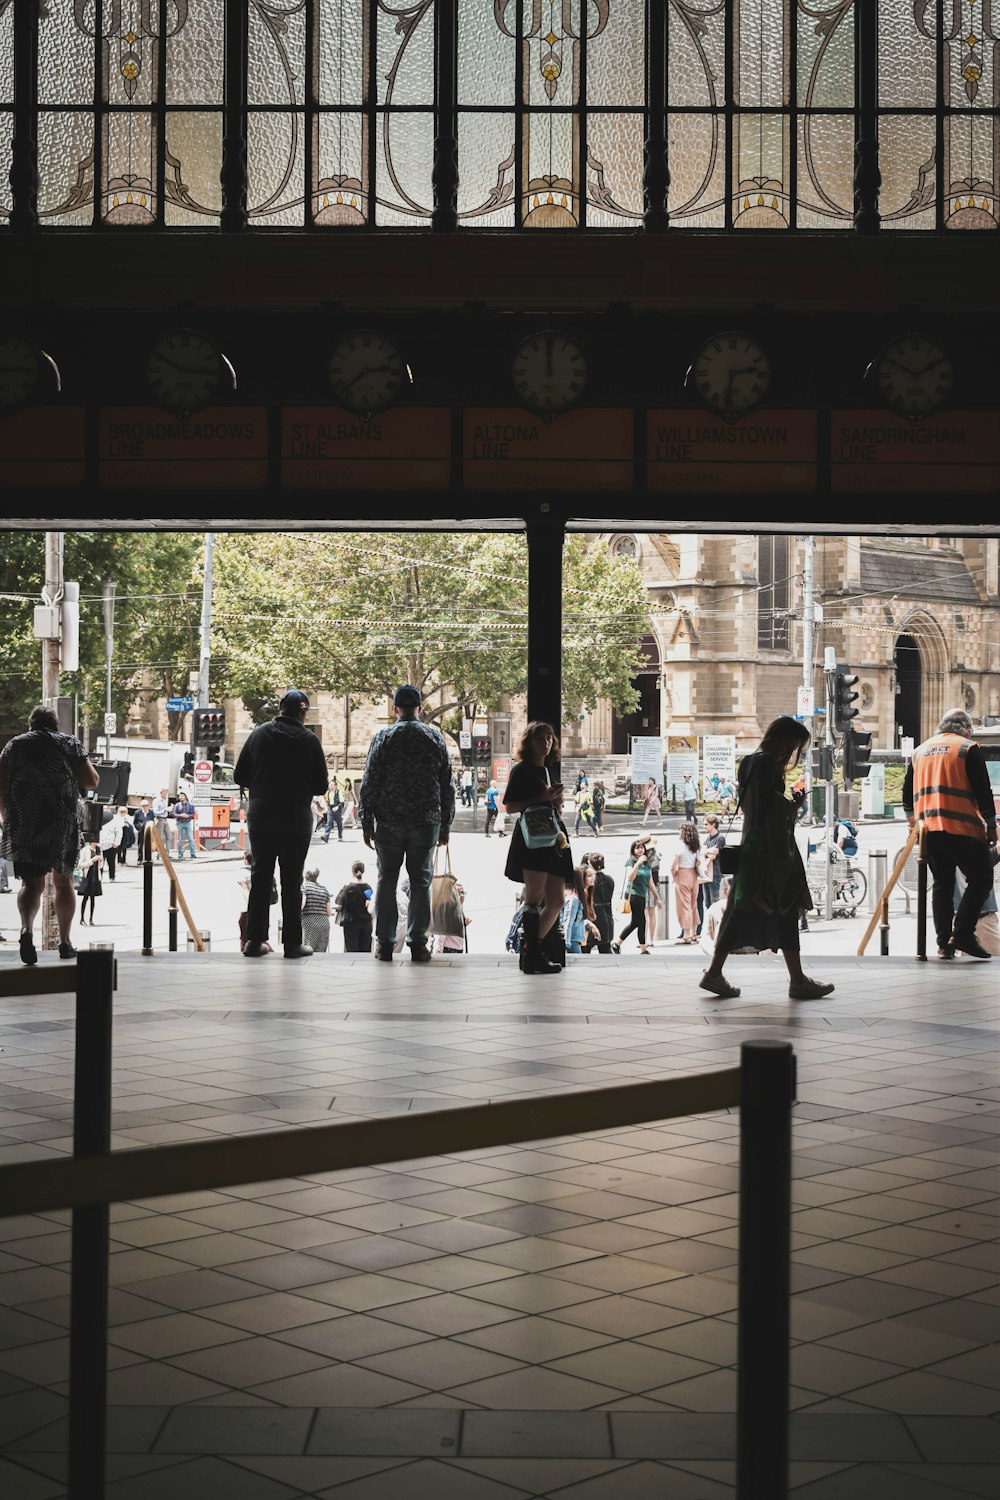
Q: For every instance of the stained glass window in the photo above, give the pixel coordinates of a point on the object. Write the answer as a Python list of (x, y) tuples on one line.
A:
[(344, 113), (772, 593), (129, 112)]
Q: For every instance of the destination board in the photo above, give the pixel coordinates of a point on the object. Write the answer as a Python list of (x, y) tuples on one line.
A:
[(222, 447), (692, 450), (506, 448), (874, 452), (42, 447), (402, 448)]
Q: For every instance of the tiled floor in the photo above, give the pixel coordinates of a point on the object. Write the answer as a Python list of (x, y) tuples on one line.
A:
[(551, 1319)]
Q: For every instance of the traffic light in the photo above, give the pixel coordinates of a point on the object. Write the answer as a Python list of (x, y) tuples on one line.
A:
[(483, 746), (187, 769), (857, 755), (208, 727), (841, 698), (822, 763)]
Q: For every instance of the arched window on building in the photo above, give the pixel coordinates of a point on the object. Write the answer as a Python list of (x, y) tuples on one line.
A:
[(515, 114)]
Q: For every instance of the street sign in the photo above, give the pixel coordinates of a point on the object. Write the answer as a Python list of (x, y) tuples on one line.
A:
[(805, 702), (110, 723), (180, 705), (201, 792), (465, 739)]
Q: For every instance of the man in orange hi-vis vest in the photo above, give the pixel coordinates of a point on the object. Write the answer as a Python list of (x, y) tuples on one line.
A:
[(947, 787)]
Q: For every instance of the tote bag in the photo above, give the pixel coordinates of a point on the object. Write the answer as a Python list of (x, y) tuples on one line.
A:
[(447, 916), (539, 824)]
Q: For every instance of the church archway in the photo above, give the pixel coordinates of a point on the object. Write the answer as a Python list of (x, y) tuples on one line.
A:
[(646, 717), (909, 674)]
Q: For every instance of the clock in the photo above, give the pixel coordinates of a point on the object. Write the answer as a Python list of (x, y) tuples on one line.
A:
[(731, 373), (22, 368), (549, 372), (367, 371), (914, 374), (186, 370)]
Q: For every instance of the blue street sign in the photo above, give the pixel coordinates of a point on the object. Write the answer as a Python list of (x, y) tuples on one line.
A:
[(180, 705)]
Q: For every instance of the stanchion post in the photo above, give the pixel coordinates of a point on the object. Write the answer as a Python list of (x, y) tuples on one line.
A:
[(172, 917), (884, 927), (147, 892), (88, 1348), (921, 899), (767, 1092)]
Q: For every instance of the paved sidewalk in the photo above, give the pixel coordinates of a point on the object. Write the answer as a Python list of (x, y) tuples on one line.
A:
[(557, 1319)]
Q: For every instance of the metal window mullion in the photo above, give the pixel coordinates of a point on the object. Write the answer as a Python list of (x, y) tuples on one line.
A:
[(309, 115), (729, 114), (939, 83), (656, 170), (99, 113), (520, 118), (867, 179), (24, 163), (793, 116), (444, 169), (160, 115), (234, 116), (582, 113), (370, 107)]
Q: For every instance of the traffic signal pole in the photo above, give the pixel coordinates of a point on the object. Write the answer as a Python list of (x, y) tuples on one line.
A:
[(808, 623), (830, 662)]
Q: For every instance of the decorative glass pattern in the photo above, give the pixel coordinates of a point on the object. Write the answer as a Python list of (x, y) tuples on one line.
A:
[(772, 593), (758, 111), (108, 149), (6, 103)]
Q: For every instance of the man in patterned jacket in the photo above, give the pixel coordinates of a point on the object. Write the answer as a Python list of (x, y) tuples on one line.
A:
[(407, 804)]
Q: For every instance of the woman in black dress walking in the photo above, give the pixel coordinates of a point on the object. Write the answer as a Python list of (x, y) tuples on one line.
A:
[(770, 886), (544, 873)]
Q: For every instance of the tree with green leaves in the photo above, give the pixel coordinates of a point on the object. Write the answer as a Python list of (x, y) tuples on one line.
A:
[(358, 613), (157, 613)]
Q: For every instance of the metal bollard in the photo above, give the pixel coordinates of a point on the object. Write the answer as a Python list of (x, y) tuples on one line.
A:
[(663, 915), (206, 941), (88, 1348), (878, 864), (767, 1093)]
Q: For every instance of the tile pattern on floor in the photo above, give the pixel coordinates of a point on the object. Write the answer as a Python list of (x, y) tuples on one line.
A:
[(551, 1318)]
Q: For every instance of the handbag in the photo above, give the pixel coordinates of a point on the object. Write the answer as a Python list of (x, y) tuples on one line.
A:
[(539, 825), (729, 859), (447, 915), (625, 904)]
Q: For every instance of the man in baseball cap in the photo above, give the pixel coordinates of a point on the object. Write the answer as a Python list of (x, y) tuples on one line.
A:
[(283, 765)]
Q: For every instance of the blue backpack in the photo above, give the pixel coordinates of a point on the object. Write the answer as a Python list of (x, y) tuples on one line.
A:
[(850, 844)]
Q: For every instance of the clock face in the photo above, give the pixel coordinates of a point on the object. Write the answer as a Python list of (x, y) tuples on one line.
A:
[(731, 373), (367, 371), (185, 370), (549, 372), (914, 375), (20, 370)]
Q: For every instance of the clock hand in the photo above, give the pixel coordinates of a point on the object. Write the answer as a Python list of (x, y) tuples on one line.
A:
[(933, 365), (185, 369), (368, 370)]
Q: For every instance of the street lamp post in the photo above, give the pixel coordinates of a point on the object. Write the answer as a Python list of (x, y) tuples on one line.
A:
[(109, 646)]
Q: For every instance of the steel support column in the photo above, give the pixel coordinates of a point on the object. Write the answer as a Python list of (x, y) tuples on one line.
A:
[(546, 533)]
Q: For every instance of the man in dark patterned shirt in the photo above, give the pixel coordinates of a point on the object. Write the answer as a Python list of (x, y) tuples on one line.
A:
[(42, 774), (407, 804)]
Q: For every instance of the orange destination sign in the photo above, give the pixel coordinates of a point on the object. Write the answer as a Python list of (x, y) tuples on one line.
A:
[(873, 452), (506, 448), (695, 450), (41, 446), (402, 448), (220, 448)]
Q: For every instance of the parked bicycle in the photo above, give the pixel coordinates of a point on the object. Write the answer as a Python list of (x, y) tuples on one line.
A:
[(850, 885)]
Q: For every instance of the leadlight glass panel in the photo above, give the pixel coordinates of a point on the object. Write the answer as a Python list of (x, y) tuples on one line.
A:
[(195, 57), (552, 113), (6, 161), (276, 52), (6, 55), (825, 167), (772, 594), (276, 167)]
